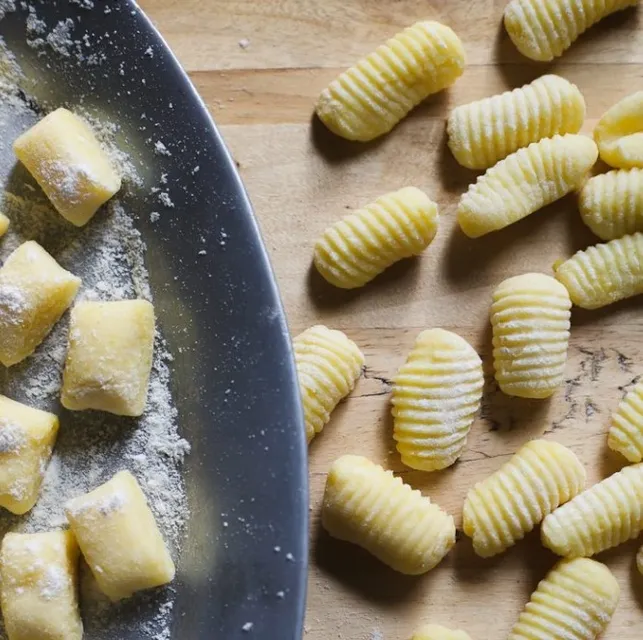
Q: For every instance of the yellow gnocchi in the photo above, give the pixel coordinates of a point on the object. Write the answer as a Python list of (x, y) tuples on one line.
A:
[(626, 431), (619, 133), (436, 395), (604, 273), (530, 316), (109, 358), (485, 131), (438, 632), (575, 601), (363, 244), (368, 506), (39, 586), (35, 291), (524, 182), (599, 518), (4, 224), (64, 156), (119, 538), (328, 366), (543, 29), (27, 438), (611, 204), (370, 98), (508, 504)]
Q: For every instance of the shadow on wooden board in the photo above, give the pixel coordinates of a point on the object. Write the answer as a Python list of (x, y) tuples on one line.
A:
[(361, 572), (326, 296)]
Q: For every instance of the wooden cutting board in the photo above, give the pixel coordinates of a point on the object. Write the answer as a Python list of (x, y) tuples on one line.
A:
[(259, 66)]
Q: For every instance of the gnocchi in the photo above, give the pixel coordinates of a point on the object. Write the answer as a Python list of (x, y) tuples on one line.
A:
[(485, 131), (109, 357), (39, 585), (64, 156), (370, 98), (524, 182), (619, 133), (368, 506), (626, 431), (4, 224), (599, 518), (27, 438), (611, 204), (530, 316), (543, 29), (35, 291), (436, 395), (328, 366), (362, 245), (604, 273), (119, 539), (575, 601), (438, 632), (508, 504)]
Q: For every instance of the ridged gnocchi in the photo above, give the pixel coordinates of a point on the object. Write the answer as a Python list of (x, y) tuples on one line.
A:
[(328, 366), (363, 244), (524, 182), (370, 98), (438, 632), (619, 133), (530, 316), (575, 601), (543, 29), (368, 506), (626, 431), (436, 395), (599, 518), (485, 131), (611, 204), (604, 273), (508, 504)]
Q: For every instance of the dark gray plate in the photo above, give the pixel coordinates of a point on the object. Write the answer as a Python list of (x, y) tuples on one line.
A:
[(233, 378)]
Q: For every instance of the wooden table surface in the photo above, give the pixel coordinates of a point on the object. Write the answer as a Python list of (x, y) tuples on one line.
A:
[(259, 64)]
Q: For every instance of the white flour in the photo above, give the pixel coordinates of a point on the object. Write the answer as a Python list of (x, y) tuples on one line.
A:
[(108, 254)]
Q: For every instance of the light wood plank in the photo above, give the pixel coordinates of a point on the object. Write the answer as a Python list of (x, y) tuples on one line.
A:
[(301, 178)]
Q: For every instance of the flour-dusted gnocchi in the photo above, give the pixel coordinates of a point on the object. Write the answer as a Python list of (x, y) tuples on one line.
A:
[(524, 182), (575, 601), (109, 357), (611, 204), (530, 316), (39, 586), (368, 506), (619, 133), (64, 156), (438, 632), (4, 224), (34, 293), (436, 395), (328, 366), (119, 538), (508, 504), (485, 131), (27, 438), (604, 273), (626, 431), (359, 247), (599, 518), (543, 29), (370, 98)]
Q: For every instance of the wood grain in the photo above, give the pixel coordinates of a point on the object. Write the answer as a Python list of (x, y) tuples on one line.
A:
[(301, 178)]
